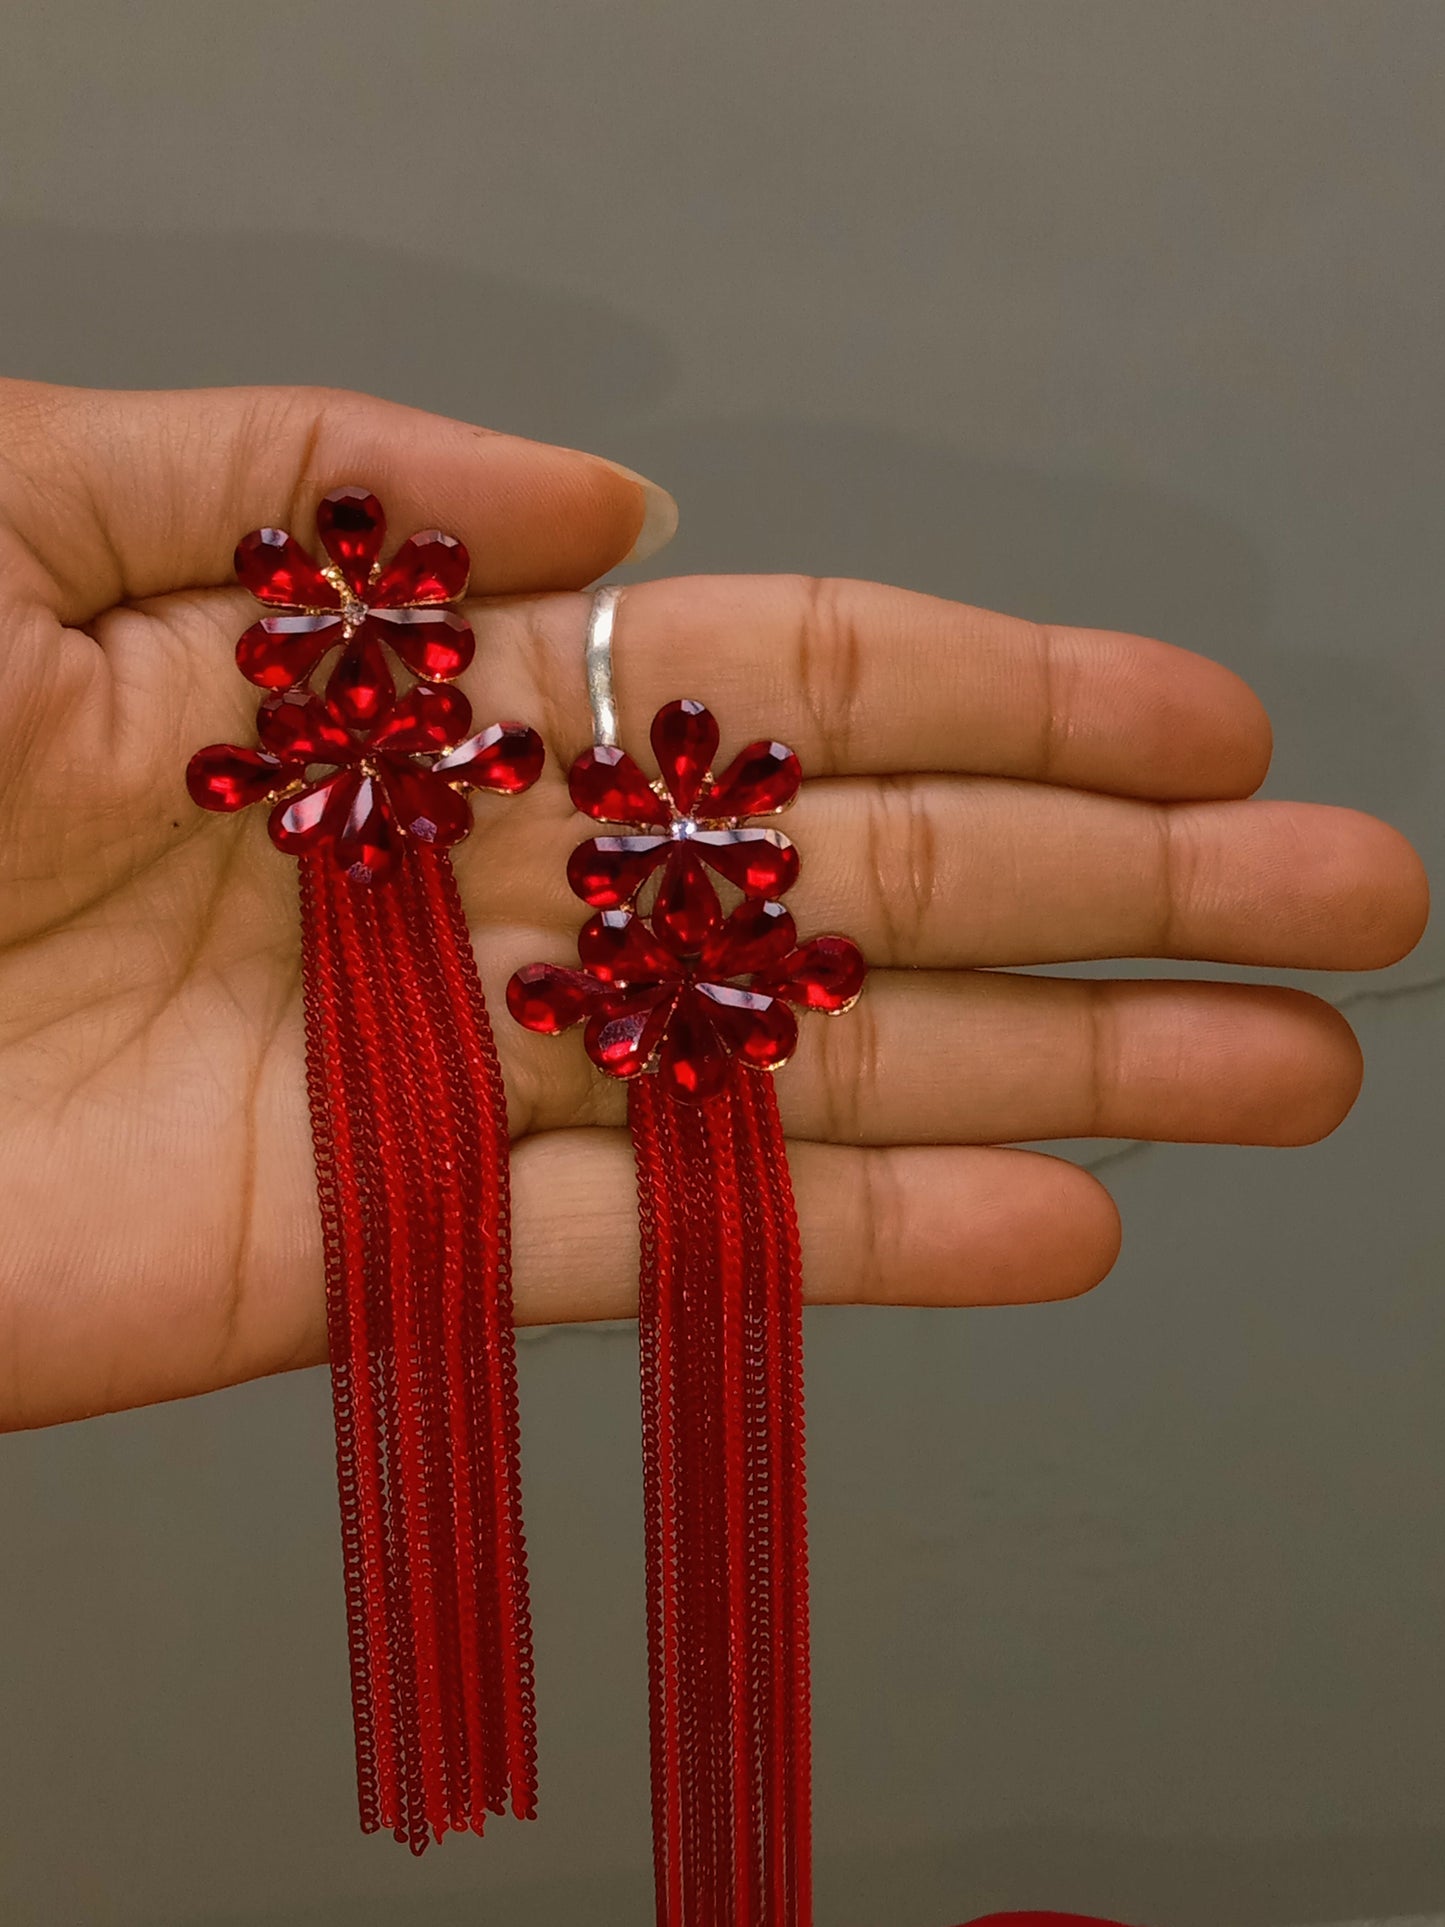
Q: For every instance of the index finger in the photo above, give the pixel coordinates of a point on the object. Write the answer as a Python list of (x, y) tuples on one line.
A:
[(118, 496), (864, 680)]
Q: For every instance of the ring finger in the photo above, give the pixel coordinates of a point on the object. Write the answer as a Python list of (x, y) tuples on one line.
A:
[(985, 1057), (949, 871)]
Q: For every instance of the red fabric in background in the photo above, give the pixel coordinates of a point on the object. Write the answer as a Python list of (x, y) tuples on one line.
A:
[(1042, 1920)]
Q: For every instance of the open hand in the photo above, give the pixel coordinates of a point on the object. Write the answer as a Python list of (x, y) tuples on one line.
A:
[(981, 793)]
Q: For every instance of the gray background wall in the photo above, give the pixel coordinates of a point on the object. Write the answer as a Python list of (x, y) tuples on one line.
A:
[(1120, 312)]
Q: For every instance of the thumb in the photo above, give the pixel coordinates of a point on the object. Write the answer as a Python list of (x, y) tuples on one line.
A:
[(113, 496)]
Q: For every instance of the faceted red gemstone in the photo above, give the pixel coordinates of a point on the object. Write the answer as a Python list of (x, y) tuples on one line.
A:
[(296, 727), (825, 973), (621, 1038), (435, 644), (360, 689), (225, 777), (352, 527), (757, 934), (550, 999), (608, 871), (762, 863), (608, 784), (275, 568), (684, 741), (760, 1030), (618, 946), (507, 758), (368, 846), (280, 651), (761, 779), (692, 1062), (425, 806), (687, 910), (428, 718), (428, 567), (310, 819)]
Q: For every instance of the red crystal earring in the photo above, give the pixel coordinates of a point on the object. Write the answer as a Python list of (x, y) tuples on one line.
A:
[(366, 787), (694, 1005)]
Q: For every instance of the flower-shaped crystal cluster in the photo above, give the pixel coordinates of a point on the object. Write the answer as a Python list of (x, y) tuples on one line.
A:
[(685, 989), (359, 768), (685, 824)]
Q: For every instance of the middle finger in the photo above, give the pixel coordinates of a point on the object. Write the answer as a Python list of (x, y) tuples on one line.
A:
[(949, 871)]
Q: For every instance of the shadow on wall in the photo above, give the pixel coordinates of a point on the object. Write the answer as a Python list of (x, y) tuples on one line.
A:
[(189, 310), (183, 309)]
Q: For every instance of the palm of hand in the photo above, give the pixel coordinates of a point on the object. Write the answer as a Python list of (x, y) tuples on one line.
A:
[(154, 1141), (152, 1096)]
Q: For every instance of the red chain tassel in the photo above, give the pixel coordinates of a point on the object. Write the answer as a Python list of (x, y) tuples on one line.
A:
[(726, 1523), (410, 1132), (365, 784), (694, 1006)]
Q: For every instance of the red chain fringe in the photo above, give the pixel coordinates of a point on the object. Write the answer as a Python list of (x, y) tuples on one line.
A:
[(724, 1499), (409, 1124)]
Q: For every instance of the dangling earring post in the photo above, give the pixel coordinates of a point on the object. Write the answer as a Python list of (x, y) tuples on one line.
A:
[(598, 659)]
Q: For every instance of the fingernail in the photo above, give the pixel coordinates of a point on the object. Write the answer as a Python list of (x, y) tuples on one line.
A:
[(659, 518)]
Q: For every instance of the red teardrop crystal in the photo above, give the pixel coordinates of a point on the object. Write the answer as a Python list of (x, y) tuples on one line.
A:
[(549, 998), (687, 910), (608, 871), (507, 758), (684, 741), (280, 651), (360, 689), (296, 727), (352, 528), (692, 1062), (428, 718), (368, 845), (762, 863), (607, 784), (225, 777), (428, 567), (618, 947), (758, 933), (435, 644), (621, 1038), (310, 819), (825, 973), (424, 805), (760, 780), (275, 568), (760, 1030)]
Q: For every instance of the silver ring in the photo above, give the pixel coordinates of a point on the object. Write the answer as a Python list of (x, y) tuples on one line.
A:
[(599, 664)]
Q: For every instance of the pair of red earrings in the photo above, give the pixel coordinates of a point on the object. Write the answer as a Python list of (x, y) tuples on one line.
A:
[(691, 1000)]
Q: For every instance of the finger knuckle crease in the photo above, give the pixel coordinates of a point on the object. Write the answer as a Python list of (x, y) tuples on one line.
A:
[(1102, 1067), (829, 657), (537, 629), (901, 842), (882, 1213), (1050, 717), (1176, 881), (849, 1073)]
